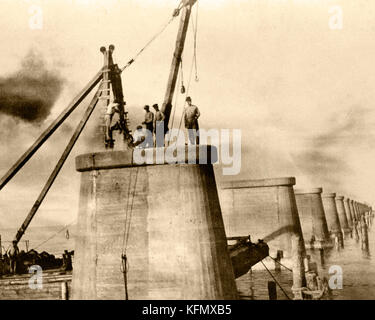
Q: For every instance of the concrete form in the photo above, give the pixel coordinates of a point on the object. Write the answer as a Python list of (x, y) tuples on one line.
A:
[(312, 217), (165, 219)]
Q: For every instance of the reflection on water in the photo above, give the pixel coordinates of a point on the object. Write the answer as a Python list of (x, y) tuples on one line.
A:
[(358, 268)]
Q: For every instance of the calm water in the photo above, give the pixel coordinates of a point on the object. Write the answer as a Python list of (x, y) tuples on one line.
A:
[(358, 274)]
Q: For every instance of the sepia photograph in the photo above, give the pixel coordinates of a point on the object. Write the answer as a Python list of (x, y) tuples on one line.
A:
[(187, 150)]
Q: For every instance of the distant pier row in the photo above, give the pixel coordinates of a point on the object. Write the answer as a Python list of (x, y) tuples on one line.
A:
[(150, 231), (266, 209), (313, 219)]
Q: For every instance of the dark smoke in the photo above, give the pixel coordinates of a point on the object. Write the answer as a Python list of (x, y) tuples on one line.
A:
[(30, 93)]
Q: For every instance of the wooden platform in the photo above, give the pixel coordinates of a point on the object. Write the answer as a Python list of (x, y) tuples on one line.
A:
[(56, 286)]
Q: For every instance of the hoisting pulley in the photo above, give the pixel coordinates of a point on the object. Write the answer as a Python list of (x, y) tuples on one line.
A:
[(182, 78)]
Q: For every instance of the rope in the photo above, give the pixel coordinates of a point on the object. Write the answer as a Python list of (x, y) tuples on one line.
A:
[(187, 94), (191, 72), (125, 273), (195, 31), (281, 264), (126, 215), (124, 258), (275, 280), (175, 14), (128, 221), (54, 235), (179, 79)]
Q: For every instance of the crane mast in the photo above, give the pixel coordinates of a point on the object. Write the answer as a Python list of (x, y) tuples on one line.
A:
[(180, 43)]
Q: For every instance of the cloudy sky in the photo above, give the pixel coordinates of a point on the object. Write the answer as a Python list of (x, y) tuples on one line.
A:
[(301, 93)]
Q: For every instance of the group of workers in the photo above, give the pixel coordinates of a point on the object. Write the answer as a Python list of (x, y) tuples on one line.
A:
[(154, 125), (153, 132)]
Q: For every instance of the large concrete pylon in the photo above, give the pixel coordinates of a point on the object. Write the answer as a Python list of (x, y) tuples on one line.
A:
[(164, 218), (332, 216), (368, 215), (354, 219), (358, 216), (356, 210), (347, 213), (342, 215), (266, 209), (312, 217), (352, 212)]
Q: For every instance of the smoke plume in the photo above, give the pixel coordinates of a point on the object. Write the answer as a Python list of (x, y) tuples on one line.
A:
[(30, 93)]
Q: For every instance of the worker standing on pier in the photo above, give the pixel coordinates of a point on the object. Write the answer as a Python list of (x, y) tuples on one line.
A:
[(159, 126), (149, 122), (191, 121), (13, 254)]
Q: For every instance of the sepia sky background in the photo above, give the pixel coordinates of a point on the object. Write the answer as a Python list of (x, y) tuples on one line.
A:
[(301, 93)]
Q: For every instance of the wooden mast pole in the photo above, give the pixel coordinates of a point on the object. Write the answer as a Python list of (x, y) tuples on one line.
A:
[(181, 36), (50, 130), (58, 167), (106, 96)]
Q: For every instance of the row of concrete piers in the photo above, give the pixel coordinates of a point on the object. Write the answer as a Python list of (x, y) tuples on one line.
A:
[(293, 221), (327, 216)]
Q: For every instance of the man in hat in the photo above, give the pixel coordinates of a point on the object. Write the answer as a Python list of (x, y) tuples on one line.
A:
[(149, 122), (139, 136), (191, 116), (159, 126)]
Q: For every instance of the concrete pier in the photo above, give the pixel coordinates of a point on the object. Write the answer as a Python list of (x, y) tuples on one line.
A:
[(358, 217), (150, 231), (266, 209), (312, 217), (348, 215), (364, 235), (332, 216), (356, 210), (368, 216), (354, 219), (342, 216)]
